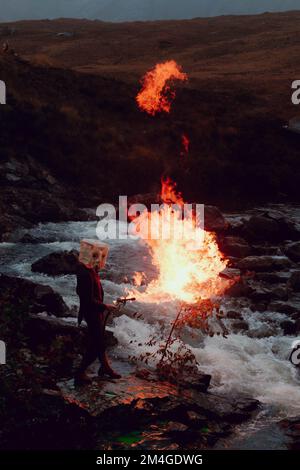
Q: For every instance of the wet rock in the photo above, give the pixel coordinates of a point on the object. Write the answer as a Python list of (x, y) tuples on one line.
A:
[(263, 331), (288, 327), (271, 226), (239, 289), (132, 400), (235, 246), (195, 419), (43, 331), (294, 282), (46, 421), (39, 298), (291, 427), (272, 278), (29, 239), (30, 194), (261, 228), (266, 294), (198, 381), (296, 316), (180, 433), (234, 315), (293, 251), (282, 307), (241, 325), (9, 224), (58, 263), (264, 263), (259, 306), (214, 220), (230, 273), (266, 250)]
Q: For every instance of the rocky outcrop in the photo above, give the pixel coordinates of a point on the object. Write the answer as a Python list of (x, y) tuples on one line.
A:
[(294, 281), (270, 226), (38, 297), (235, 246), (57, 263), (43, 330), (293, 251), (165, 415), (30, 194), (214, 221), (264, 263), (291, 428)]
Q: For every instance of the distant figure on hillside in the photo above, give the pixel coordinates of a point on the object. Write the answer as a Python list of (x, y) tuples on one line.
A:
[(92, 258)]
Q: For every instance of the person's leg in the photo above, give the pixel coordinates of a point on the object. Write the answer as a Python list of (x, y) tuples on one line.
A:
[(105, 367), (89, 356)]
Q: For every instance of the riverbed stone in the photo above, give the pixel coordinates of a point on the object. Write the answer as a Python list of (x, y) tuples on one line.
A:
[(57, 263), (264, 263), (235, 246), (294, 282), (38, 297), (288, 327), (293, 251)]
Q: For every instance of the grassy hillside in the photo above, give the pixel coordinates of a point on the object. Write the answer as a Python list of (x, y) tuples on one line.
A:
[(87, 129)]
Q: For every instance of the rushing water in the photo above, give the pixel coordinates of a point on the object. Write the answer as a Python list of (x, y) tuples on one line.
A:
[(242, 364)]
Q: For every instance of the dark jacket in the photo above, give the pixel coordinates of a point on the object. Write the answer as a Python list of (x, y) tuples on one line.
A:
[(90, 292)]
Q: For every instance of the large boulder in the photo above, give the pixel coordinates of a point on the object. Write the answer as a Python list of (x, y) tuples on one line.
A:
[(267, 294), (264, 263), (261, 228), (214, 220), (43, 330), (289, 328), (57, 263), (235, 246), (294, 281), (239, 289), (271, 226), (38, 297), (282, 307), (293, 251)]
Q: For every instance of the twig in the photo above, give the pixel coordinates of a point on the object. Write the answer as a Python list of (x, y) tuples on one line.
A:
[(170, 335)]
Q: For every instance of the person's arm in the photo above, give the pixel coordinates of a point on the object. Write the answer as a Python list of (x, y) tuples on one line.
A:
[(85, 291)]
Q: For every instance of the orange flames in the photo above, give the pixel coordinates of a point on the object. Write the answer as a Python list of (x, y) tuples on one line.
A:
[(187, 258), (185, 141), (156, 94), (184, 274)]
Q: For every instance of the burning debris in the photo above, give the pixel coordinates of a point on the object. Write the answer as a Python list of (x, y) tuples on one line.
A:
[(157, 95)]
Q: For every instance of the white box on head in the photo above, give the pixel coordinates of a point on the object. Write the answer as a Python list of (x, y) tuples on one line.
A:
[(92, 251)]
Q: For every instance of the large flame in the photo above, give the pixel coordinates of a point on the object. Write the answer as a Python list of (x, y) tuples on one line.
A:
[(156, 94), (183, 274)]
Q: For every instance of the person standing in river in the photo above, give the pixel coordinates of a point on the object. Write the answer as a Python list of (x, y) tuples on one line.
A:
[(92, 258)]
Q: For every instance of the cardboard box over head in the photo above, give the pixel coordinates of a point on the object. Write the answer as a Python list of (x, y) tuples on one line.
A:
[(93, 252)]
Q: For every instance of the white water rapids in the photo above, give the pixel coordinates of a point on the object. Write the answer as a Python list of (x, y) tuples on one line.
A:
[(242, 364)]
